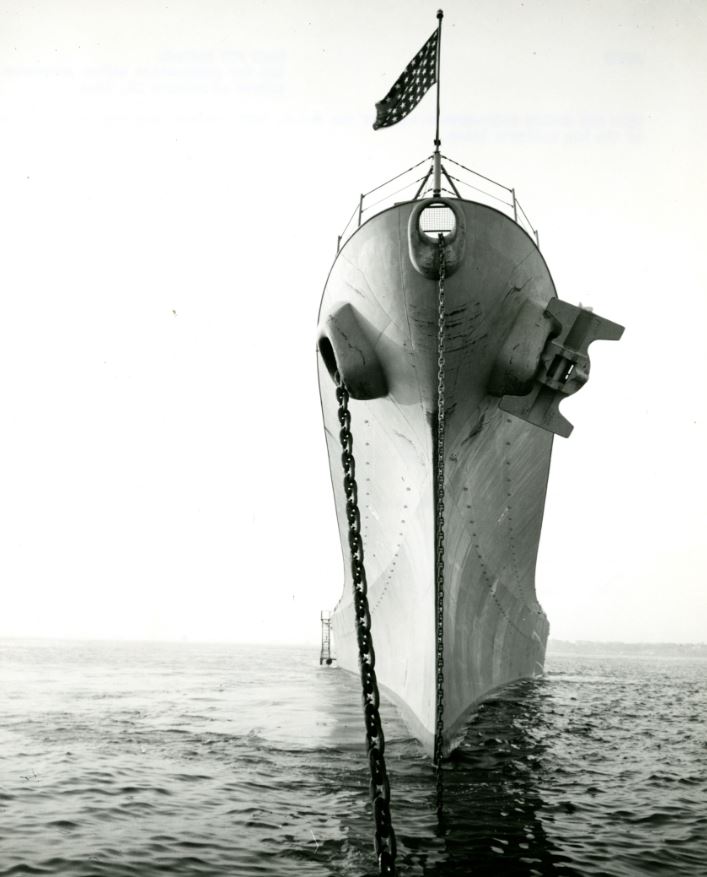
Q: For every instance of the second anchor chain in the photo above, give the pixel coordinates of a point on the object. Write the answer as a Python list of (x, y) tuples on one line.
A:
[(439, 522), (380, 788)]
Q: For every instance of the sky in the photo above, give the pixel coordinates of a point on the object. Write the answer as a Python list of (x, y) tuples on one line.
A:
[(173, 178)]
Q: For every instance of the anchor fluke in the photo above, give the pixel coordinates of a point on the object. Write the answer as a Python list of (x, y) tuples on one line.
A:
[(564, 365)]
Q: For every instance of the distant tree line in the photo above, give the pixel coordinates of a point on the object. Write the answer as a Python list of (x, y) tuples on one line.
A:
[(658, 650)]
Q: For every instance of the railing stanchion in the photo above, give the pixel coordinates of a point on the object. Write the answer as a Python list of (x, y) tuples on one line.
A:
[(451, 183), (515, 205), (360, 211), (422, 184)]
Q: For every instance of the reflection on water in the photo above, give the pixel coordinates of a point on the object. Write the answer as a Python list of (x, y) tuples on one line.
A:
[(597, 768), (144, 759), (491, 798), (490, 819)]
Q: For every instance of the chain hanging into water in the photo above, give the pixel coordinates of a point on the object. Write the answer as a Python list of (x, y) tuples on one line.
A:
[(439, 526), (384, 838)]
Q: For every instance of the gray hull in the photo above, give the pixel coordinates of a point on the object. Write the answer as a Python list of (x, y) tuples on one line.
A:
[(496, 465)]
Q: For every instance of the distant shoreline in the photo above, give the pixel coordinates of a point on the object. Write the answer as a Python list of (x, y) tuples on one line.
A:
[(646, 650), (554, 647)]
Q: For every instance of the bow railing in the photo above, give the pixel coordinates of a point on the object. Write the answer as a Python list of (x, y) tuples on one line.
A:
[(416, 186)]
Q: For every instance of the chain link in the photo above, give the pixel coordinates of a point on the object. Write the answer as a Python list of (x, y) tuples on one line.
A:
[(439, 500), (384, 838)]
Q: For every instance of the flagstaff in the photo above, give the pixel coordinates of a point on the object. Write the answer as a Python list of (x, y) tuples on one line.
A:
[(437, 185), (409, 88)]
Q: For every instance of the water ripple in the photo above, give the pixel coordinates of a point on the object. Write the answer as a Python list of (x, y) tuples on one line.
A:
[(185, 760)]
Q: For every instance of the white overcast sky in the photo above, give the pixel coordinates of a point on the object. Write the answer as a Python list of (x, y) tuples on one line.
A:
[(173, 176)]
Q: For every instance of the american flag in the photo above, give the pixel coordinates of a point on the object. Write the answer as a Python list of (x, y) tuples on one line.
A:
[(410, 87)]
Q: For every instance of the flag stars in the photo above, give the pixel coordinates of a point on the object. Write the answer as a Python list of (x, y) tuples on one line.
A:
[(410, 87)]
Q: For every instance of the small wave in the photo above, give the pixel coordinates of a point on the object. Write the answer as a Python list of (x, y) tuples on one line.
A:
[(553, 775), (191, 777)]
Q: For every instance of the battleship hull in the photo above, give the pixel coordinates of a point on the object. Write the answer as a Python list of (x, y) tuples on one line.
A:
[(378, 326)]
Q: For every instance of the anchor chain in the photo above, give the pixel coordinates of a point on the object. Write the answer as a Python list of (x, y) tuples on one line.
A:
[(384, 838), (439, 528)]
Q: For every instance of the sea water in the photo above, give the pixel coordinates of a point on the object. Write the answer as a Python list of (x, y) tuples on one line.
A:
[(183, 759)]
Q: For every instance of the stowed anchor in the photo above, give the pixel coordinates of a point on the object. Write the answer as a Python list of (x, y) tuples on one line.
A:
[(564, 365)]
